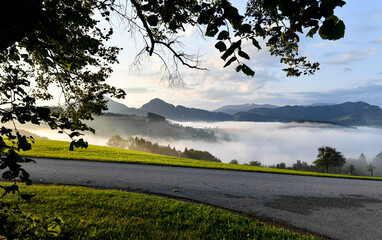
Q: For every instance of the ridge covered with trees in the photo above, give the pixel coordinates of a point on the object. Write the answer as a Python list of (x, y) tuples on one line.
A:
[(143, 145), (345, 114)]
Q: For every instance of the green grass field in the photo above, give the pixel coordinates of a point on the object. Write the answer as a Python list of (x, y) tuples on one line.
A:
[(60, 149), (110, 214)]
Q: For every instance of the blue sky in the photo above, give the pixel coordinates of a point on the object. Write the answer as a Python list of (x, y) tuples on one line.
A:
[(351, 69)]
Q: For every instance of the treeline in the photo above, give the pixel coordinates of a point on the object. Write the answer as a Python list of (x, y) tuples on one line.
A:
[(153, 126), (143, 145), (352, 166)]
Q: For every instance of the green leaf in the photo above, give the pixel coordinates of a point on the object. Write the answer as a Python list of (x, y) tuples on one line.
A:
[(231, 49), (221, 46), (152, 20), (248, 71), (223, 35), (244, 55), (211, 31), (327, 8), (312, 32), (332, 28), (246, 28), (232, 59)]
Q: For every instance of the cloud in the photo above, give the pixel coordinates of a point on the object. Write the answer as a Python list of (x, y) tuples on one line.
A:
[(352, 56), (369, 93), (272, 143), (378, 41), (136, 90)]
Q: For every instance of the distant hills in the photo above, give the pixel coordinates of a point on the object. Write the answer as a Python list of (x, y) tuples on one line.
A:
[(178, 113), (232, 109), (349, 113)]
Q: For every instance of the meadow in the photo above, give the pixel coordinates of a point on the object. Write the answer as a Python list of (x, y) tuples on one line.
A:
[(110, 214)]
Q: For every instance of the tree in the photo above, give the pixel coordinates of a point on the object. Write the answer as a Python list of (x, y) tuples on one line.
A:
[(255, 163), (328, 156), (234, 161), (281, 165), (297, 165), (351, 169), (117, 141), (370, 168)]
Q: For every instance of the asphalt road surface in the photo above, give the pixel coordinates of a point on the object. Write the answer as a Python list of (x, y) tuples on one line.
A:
[(334, 208)]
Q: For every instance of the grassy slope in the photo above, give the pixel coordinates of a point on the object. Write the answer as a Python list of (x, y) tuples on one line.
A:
[(59, 149), (107, 214)]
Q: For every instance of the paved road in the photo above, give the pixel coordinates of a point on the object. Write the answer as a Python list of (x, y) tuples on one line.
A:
[(335, 208)]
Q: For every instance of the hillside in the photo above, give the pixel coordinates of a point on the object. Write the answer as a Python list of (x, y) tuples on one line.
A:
[(111, 124), (115, 107), (232, 109), (349, 113), (169, 111)]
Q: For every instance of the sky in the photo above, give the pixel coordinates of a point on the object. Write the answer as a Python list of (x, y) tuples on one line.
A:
[(351, 69)]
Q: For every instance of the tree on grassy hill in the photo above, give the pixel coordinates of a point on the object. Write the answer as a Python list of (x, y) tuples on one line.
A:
[(199, 155), (255, 163), (117, 142), (328, 156)]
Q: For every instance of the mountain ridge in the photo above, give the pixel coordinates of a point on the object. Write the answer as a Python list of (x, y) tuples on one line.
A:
[(170, 111), (348, 113)]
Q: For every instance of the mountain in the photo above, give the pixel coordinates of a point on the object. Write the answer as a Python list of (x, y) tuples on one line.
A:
[(322, 104), (178, 113), (349, 113), (116, 107), (232, 109), (182, 113)]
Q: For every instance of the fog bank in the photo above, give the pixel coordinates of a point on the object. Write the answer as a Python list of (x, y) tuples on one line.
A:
[(269, 143), (272, 143)]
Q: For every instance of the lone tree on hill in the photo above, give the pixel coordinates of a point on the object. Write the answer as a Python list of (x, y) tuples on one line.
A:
[(328, 156)]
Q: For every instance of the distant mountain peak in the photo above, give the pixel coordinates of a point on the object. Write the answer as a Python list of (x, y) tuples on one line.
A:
[(157, 103)]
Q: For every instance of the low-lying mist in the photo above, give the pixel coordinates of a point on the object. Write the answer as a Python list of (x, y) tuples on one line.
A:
[(268, 143), (272, 143)]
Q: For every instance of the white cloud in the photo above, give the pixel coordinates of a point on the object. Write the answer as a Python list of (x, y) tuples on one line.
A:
[(354, 56), (379, 40)]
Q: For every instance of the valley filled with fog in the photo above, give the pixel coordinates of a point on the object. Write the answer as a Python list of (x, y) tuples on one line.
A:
[(272, 143), (269, 143)]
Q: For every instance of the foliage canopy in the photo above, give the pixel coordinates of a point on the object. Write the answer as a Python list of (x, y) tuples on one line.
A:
[(328, 156)]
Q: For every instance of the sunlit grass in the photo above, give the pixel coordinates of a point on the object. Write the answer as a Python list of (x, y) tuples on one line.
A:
[(60, 149), (110, 214)]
